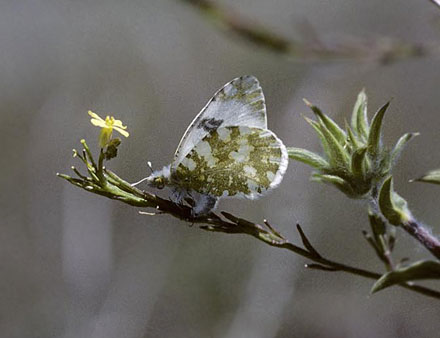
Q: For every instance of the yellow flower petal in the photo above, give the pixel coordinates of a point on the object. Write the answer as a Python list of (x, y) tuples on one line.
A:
[(95, 116), (122, 131), (107, 125), (98, 123), (118, 123)]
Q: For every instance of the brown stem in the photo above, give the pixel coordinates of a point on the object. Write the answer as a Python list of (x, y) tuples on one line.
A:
[(424, 236)]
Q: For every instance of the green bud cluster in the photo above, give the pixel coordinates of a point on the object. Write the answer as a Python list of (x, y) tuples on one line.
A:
[(355, 161)]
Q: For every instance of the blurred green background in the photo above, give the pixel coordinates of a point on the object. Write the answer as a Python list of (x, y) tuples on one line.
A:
[(77, 265)]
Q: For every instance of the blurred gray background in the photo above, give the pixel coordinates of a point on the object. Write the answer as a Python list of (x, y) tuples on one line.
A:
[(77, 265)]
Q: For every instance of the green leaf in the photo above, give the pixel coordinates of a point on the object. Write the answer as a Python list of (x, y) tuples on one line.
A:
[(432, 176), (351, 137), (337, 181), (416, 271), (375, 130), (338, 155), (331, 125), (400, 145), (359, 118), (392, 206), (378, 226), (315, 125), (307, 157), (374, 244), (357, 161)]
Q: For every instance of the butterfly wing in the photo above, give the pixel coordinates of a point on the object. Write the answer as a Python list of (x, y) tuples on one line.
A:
[(234, 161), (239, 103)]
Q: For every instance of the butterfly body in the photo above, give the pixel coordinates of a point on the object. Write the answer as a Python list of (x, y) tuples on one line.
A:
[(227, 151)]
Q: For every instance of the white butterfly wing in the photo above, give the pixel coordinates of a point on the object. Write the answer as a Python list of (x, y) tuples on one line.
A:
[(239, 103), (234, 162)]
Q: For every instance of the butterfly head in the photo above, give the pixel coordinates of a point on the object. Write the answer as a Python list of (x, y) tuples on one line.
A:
[(159, 178)]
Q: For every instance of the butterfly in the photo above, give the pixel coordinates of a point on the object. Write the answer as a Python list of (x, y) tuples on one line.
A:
[(227, 151)]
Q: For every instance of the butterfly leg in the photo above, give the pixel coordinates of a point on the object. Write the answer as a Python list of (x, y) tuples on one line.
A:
[(203, 204), (177, 195)]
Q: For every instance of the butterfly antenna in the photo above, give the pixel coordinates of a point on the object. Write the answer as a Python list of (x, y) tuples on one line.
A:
[(150, 166), (138, 182)]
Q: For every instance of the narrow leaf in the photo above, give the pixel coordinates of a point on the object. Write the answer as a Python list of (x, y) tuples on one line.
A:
[(416, 271), (357, 162), (272, 229), (400, 145), (375, 130), (392, 206), (306, 241), (432, 176), (377, 224), (315, 125), (307, 157), (374, 245), (337, 181), (359, 118), (240, 221), (320, 267), (338, 155), (331, 125), (378, 228), (351, 136), (230, 217)]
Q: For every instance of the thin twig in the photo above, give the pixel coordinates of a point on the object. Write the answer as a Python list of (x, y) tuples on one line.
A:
[(306, 241), (383, 50), (233, 224), (110, 185)]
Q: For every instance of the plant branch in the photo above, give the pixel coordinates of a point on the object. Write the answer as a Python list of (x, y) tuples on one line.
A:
[(383, 50), (110, 185), (423, 235), (396, 211)]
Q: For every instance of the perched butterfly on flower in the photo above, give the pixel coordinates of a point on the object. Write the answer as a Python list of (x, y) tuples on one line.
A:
[(227, 151)]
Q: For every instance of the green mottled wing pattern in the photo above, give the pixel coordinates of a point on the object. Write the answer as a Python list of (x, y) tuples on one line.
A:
[(234, 161), (240, 102)]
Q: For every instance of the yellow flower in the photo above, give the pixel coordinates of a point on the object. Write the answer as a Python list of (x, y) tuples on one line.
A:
[(107, 126)]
